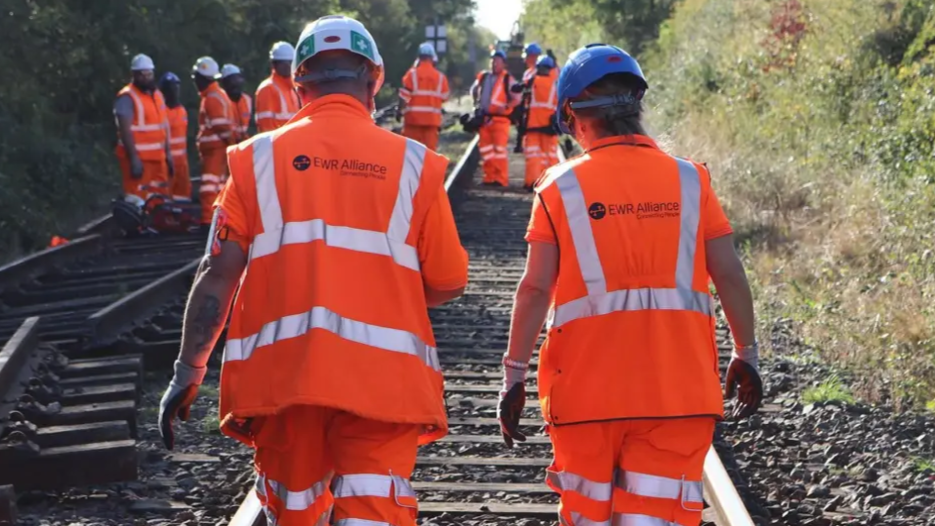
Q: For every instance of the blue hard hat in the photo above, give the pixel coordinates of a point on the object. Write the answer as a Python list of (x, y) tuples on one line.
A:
[(588, 65), (545, 61), (532, 49), (168, 76), (498, 53)]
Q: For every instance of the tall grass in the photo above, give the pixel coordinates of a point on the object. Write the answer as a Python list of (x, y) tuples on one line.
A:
[(816, 119)]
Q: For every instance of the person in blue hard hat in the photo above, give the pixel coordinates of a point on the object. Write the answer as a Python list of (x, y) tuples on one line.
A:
[(540, 141), (531, 56), (623, 242), (495, 98)]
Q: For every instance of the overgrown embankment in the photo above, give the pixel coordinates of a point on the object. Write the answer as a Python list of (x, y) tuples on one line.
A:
[(816, 119)]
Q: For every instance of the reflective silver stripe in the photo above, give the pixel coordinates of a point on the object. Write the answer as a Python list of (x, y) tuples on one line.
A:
[(260, 485), (550, 103), (178, 153), (210, 178), (300, 500), (422, 109), (568, 481), (264, 172), (581, 520), (177, 140), (634, 519), (296, 325), (150, 146), (646, 485), (413, 162), (576, 210), (265, 115), (209, 138), (359, 522), (599, 301), (146, 127), (205, 188), (371, 485)]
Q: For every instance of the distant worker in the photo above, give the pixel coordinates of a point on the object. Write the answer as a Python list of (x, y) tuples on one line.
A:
[(216, 126), (232, 81), (540, 145), (492, 92), (180, 186), (531, 57), (276, 99), (142, 132), (424, 90), (622, 243), (334, 381)]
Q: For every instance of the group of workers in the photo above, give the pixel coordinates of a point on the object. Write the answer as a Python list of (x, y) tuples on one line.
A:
[(338, 236), (152, 124)]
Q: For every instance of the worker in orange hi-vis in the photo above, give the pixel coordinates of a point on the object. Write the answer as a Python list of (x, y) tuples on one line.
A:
[(216, 131), (424, 90), (622, 243), (142, 132), (493, 93), (180, 186), (540, 144), (232, 81), (531, 57), (276, 99), (333, 380)]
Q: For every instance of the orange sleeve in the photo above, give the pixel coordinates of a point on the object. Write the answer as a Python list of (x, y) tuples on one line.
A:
[(714, 220), (219, 114), (446, 92), (262, 104), (444, 261), (540, 225), (232, 218)]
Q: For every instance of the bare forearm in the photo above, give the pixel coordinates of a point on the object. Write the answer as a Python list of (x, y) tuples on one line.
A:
[(205, 314), (530, 307), (126, 136), (737, 300)]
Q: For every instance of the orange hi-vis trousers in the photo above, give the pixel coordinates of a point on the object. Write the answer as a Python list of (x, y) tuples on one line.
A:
[(154, 179), (494, 136), (213, 177), (630, 472), (541, 151), (180, 186), (317, 464), (427, 135)]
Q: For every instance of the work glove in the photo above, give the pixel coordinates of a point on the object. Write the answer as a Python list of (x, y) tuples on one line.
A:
[(742, 372), (178, 398), (170, 164), (136, 167), (511, 403)]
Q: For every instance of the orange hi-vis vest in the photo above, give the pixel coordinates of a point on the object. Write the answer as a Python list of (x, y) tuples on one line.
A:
[(276, 103), (244, 108), (178, 131), (424, 90), (542, 101), (501, 102), (149, 124), (216, 118), (631, 330), (331, 309)]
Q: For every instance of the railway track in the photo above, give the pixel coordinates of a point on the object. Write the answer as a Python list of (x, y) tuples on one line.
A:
[(469, 477)]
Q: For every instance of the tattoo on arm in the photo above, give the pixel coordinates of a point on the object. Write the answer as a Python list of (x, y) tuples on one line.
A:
[(204, 325)]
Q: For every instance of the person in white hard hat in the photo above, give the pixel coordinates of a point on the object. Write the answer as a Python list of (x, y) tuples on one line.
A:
[(276, 99), (424, 90), (232, 80), (216, 131), (330, 370), (142, 132)]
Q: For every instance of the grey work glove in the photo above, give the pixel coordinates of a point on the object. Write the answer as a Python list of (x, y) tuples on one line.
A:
[(178, 398), (742, 371), (136, 167)]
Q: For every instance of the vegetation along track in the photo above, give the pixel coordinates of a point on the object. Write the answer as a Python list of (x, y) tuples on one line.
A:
[(470, 477)]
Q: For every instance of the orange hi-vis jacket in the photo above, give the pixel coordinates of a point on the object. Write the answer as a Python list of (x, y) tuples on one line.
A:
[(631, 330), (150, 124), (542, 101), (424, 90), (216, 118), (501, 101), (178, 131), (331, 309), (244, 109), (276, 103)]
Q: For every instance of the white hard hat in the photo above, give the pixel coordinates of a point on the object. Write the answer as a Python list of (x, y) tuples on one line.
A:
[(337, 32), (427, 49), (282, 51), (208, 67), (141, 62), (228, 70)]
